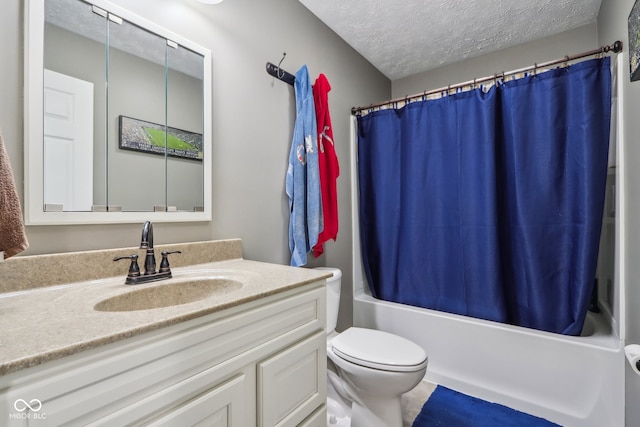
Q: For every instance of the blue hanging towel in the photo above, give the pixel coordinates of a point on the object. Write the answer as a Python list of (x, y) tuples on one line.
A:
[(303, 176)]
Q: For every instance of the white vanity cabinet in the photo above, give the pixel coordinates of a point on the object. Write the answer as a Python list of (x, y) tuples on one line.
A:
[(261, 363)]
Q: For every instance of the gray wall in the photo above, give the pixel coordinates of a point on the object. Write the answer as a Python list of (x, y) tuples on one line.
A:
[(612, 24), (253, 117)]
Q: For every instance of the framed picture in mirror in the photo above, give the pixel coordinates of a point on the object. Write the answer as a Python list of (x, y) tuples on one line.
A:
[(140, 135)]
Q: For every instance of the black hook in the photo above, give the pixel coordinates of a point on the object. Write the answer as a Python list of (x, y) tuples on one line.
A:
[(279, 73), (283, 56)]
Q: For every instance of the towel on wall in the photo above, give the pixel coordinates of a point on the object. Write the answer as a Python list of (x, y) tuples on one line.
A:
[(303, 181), (12, 235), (328, 164)]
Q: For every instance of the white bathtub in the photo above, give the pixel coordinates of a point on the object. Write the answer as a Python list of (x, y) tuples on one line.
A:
[(572, 381)]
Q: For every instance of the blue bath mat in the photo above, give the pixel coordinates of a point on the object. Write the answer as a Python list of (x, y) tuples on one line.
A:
[(448, 408)]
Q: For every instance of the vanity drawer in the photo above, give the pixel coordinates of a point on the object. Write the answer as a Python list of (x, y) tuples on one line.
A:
[(195, 401), (221, 407)]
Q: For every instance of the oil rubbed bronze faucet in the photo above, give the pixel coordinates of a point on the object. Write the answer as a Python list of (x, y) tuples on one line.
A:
[(150, 274), (146, 242)]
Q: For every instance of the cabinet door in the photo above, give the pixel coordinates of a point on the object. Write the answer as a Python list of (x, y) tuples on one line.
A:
[(317, 419), (292, 383), (221, 407)]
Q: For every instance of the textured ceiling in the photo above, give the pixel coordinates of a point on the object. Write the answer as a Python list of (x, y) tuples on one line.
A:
[(405, 37)]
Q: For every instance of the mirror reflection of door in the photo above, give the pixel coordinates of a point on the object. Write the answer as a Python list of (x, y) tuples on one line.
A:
[(68, 143)]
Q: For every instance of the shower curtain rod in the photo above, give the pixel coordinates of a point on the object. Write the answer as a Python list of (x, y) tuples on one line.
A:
[(615, 47)]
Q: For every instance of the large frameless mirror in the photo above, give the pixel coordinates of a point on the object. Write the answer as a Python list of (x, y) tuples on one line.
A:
[(117, 118)]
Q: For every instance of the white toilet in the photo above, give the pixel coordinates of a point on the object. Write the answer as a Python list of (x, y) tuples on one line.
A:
[(368, 369)]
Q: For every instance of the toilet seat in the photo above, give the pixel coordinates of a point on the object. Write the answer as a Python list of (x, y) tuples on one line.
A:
[(379, 350)]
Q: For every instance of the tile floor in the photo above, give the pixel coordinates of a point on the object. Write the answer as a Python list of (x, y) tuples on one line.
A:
[(413, 400)]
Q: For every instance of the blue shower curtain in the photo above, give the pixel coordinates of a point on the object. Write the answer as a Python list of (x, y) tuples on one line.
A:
[(489, 204)]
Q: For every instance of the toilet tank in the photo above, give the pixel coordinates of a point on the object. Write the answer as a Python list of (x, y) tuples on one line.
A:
[(333, 296)]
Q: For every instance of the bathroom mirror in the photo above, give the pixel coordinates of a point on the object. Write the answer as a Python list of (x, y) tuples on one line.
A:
[(117, 117)]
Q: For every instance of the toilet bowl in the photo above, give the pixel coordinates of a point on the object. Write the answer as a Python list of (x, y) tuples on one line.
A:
[(368, 370)]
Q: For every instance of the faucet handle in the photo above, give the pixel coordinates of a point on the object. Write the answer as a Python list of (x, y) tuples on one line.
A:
[(134, 270), (164, 264)]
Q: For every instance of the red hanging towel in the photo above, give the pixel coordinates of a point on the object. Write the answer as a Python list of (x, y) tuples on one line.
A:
[(328, 164)]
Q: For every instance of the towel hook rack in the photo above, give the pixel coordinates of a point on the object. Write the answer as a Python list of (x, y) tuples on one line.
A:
[(279, 73)]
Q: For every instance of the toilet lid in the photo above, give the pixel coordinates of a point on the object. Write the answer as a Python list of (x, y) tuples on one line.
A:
[(379, 350)]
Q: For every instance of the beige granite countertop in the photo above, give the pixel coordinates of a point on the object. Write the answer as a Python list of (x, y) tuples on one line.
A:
[(45, 323)]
